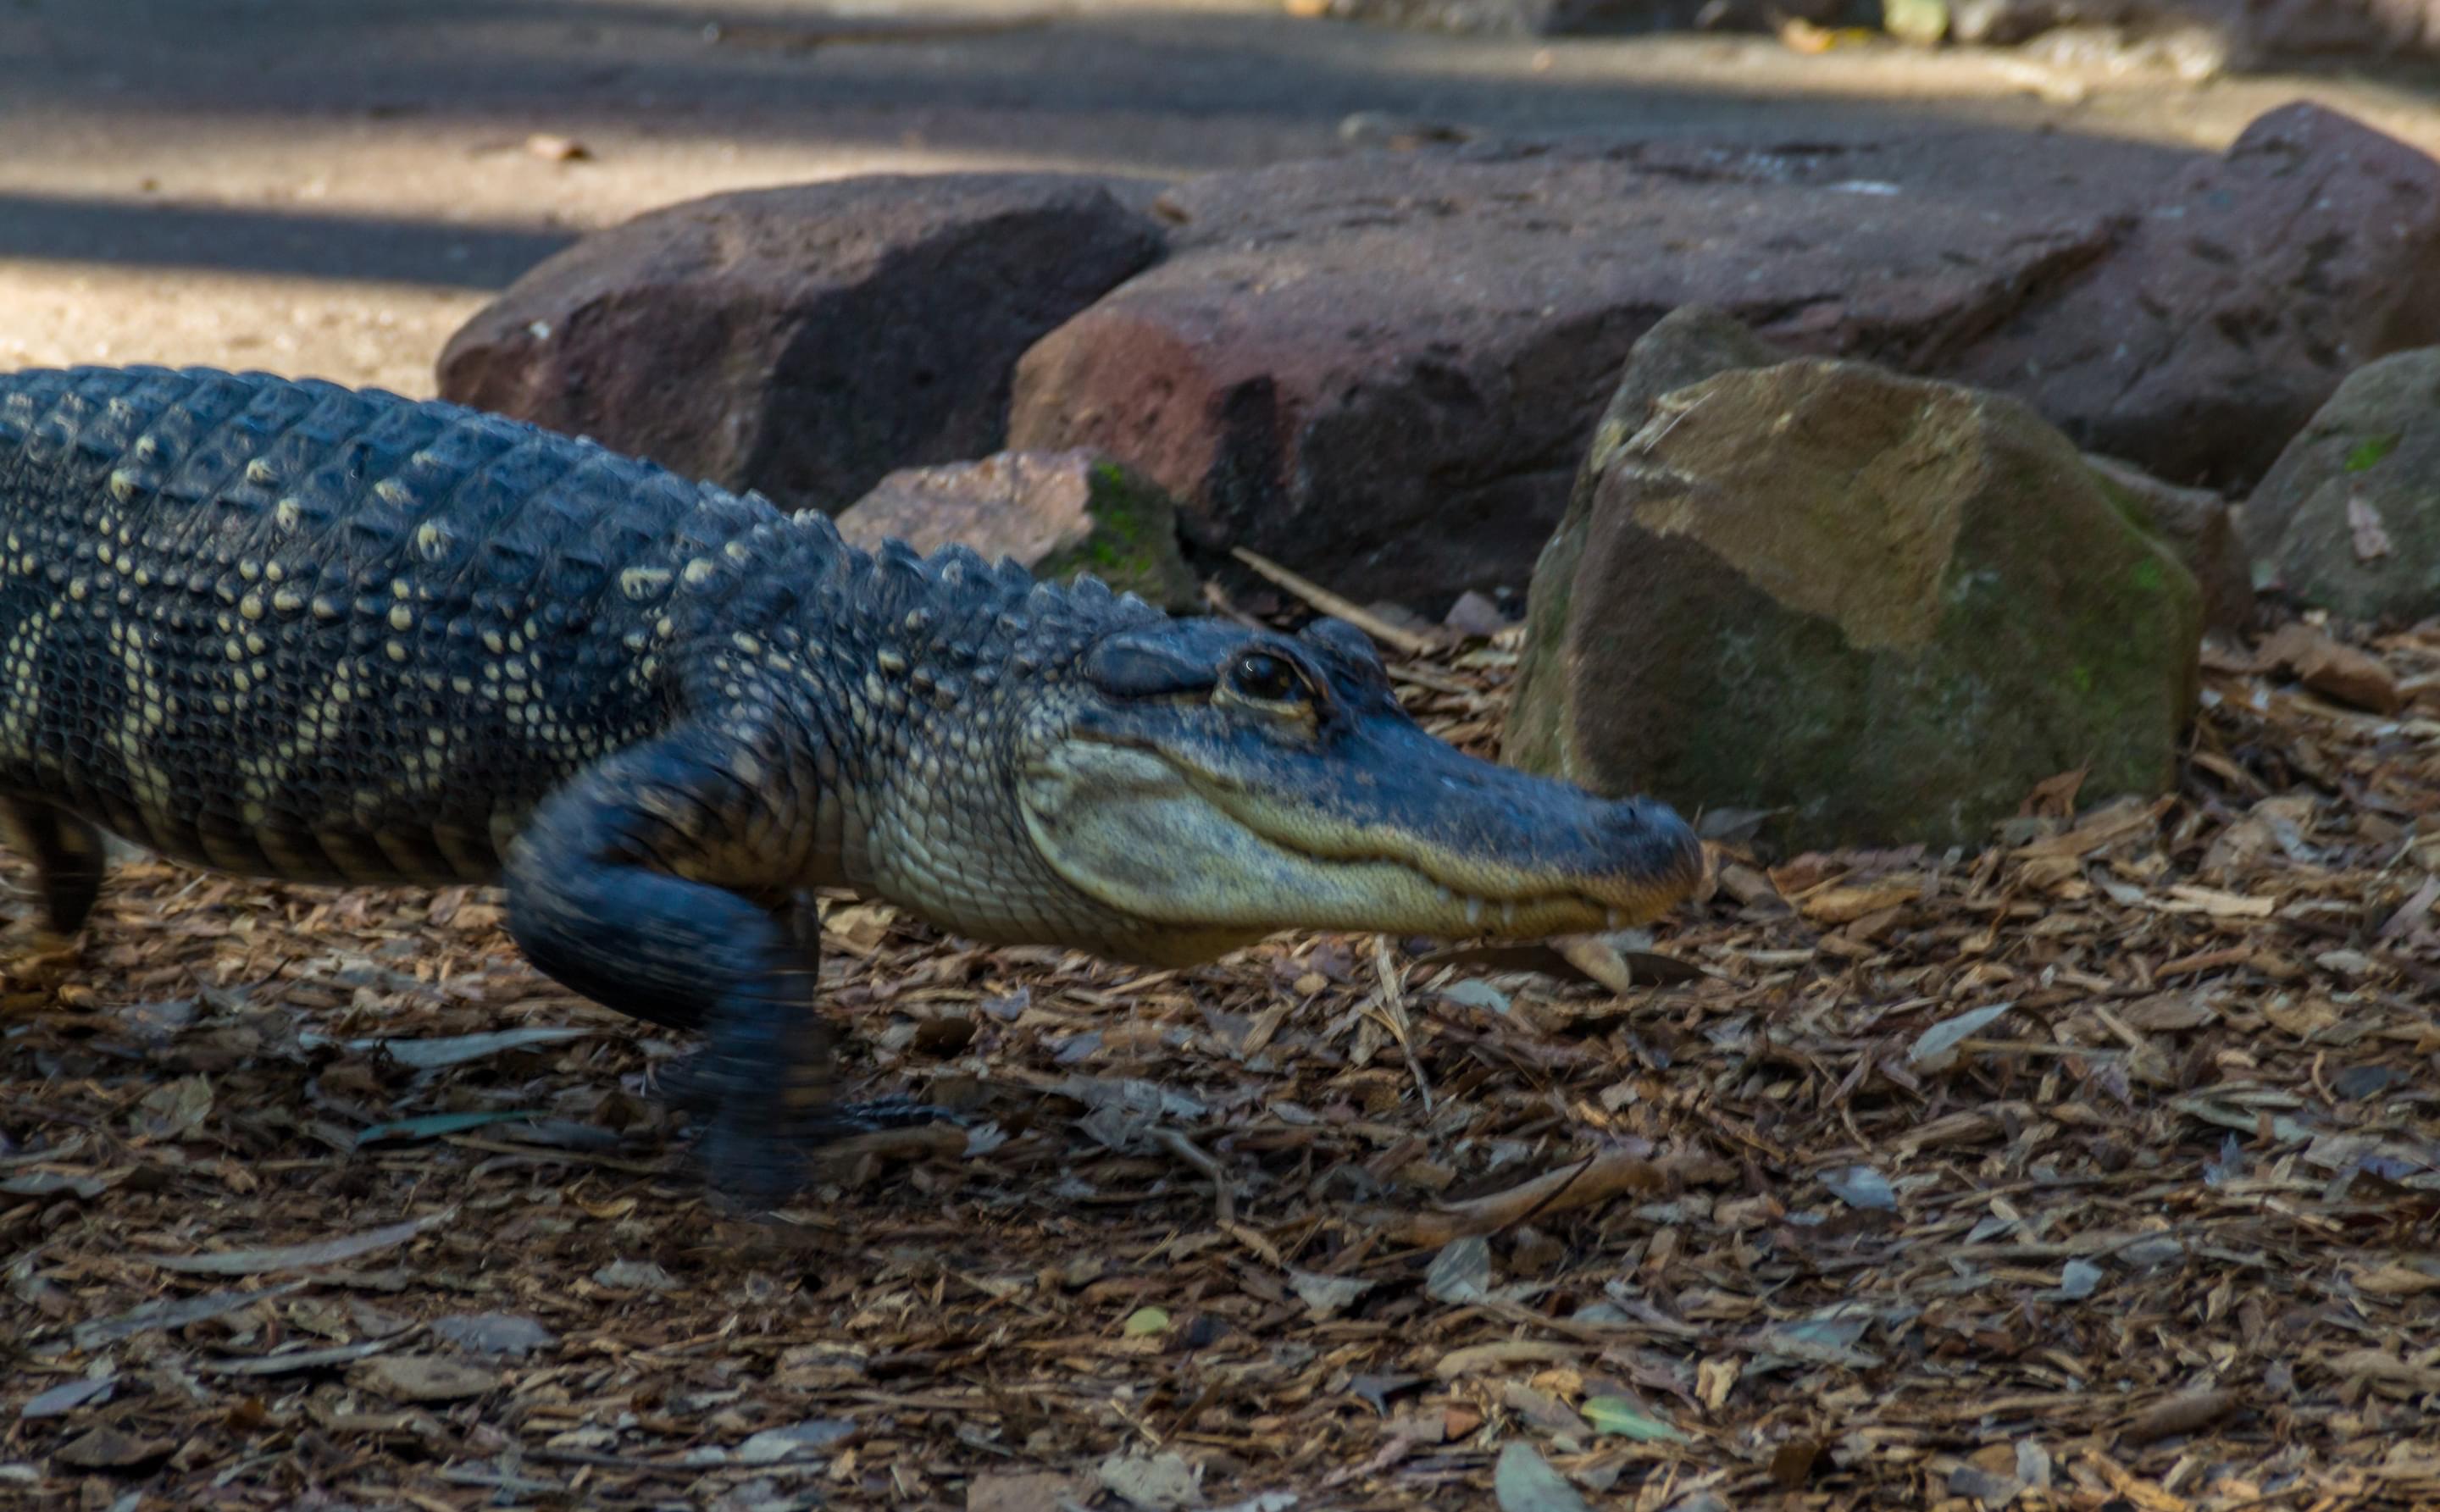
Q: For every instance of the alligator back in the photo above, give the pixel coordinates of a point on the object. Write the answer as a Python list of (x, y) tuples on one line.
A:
[(332, 635)]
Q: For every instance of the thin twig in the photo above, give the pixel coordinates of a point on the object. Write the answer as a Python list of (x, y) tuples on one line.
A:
[(1187, 1150), (1330, 603), (1394, 1011), (1580, 1185)]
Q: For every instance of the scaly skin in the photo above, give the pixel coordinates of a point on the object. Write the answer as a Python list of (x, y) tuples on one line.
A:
[(288, 630)]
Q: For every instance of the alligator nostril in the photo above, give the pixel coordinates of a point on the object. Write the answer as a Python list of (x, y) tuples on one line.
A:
[(1648, 819)]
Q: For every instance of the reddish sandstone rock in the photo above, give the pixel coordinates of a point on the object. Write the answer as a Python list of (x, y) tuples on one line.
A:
[(1060, 513), (1382, 371), (802, 341), (2238, 304)]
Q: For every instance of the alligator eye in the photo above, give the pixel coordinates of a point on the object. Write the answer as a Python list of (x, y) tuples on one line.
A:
[(1267, 679)]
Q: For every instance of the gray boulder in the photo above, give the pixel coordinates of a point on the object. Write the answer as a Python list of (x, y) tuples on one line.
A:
[(1690, 345), (2199, 528), (2349, 518), (1880, 608)]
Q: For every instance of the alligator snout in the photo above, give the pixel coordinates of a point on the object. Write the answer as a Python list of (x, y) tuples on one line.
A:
[(1648, 848)]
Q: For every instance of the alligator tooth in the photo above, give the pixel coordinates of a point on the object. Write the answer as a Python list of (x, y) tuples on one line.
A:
[(1614, 919), (1474, 911), (1508, 914)]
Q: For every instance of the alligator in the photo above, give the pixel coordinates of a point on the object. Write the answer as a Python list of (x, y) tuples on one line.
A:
[(298, 630)]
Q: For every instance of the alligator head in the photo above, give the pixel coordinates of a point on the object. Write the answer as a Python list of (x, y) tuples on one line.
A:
[(1204, 785)]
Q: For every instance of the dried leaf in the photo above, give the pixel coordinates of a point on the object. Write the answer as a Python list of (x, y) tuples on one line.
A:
[(1144, 1322), (2079, 1279), (1459, 1362), (1597, 1180), (1473, 994), (511, 1334), (178, 1313), (174, 1110), (422, 1379), (1861, 1186), (1524, 1482), (433, 1126), (291, 1361), (1618, 1415), (2379, 1366), (1159, 1483), (1935, 1049), (464, 1049), (2218, 904), (1791, 1464), (110, 1449), (300, 1256), (1032, 1492), (1327, 1296), (2185, 1414), (1836, 903), (68, 1396), (2326, 666), (2398, 1279), (795, 1441), (1460, 1273), (635, 1275)]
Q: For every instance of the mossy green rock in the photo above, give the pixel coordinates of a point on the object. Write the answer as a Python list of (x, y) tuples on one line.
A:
[(2197, 526), (2349, 517), (1060, 513), (1883, 606)]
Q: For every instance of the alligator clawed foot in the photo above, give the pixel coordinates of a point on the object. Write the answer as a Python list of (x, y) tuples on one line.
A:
[(835, 1121), (749, 1159), (745, 1160), (756, 1144)]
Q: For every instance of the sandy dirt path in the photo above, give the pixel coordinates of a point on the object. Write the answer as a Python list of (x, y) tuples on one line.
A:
[(315, 187)]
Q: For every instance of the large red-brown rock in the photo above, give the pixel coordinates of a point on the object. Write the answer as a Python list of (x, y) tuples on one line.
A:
[(1059, 513), (802, 341), (1383, 370), (2242, 298)]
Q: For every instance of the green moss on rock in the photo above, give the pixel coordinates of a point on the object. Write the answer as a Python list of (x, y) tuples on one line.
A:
[(1134, 544), (2349, 518), (1060, 513)]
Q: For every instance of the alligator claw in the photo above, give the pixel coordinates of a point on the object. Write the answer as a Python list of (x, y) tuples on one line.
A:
[(832, 1121), (758, 1150)]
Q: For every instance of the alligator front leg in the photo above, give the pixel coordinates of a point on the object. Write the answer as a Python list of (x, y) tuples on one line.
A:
[(66, 853), (647, 884)]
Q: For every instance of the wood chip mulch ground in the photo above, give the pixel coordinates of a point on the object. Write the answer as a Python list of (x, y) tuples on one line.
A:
[(2096, 1170)]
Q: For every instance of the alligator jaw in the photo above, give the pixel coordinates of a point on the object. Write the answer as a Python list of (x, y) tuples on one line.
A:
[(1174, 848)]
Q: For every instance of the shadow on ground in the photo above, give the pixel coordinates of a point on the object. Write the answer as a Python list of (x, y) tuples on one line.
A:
[(1161, 91)]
